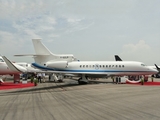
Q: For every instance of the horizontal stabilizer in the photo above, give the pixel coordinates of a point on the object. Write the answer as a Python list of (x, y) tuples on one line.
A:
[(30, 55)]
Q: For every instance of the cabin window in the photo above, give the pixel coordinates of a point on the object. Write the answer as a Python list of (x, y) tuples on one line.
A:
[(80, 65), (99, 65), (93, 65), (83, 65), (119, 65), (86, 65), (109, 65), (122, 65), (112, 65), (103, 65), (106, 65)]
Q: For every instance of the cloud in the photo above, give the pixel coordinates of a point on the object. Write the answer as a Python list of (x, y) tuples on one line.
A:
[(138, 48), (17, 9), (9, 42), (140, 51), (104, 24)]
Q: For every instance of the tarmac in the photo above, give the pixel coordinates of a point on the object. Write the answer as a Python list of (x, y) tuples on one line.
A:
[(70, 101)]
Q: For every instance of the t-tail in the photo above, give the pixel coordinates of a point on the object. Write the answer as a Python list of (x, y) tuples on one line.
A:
[(44, 55)]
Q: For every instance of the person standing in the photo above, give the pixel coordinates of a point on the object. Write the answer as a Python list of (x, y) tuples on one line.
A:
[(112, 79), (152, 77), (39, 75), (142, 80)]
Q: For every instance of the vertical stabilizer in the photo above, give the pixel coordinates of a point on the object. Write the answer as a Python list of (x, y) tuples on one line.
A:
[(117, 58), (40, 48), (43, 54)]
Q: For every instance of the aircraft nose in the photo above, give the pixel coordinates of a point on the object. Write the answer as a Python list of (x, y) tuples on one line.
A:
[(155, 71)]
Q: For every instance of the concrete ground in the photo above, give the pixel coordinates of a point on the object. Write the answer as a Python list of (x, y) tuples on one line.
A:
[(70, 101)]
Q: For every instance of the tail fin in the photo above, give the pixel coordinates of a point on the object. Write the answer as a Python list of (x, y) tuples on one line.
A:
[(14, 67), (157, 67), (40, 48), (117, 58), (43, 54)]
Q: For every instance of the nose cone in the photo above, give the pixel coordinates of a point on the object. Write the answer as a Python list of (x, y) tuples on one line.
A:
[(153, 71)]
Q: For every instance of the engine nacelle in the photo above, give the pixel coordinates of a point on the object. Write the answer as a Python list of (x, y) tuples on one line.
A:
[(57, 64)]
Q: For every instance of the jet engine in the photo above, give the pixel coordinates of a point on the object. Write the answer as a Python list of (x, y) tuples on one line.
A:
[(57, 64)]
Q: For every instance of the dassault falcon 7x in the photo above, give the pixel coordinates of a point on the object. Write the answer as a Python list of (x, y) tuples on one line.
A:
[(85, 69), (67, 65)]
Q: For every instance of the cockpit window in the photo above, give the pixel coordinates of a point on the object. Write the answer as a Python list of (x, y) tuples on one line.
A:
[(1, 60), (143, 65)]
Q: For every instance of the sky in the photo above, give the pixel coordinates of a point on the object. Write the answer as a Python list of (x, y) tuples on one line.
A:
[(89, 29)]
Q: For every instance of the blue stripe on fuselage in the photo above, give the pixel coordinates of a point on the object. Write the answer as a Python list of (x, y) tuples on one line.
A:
[(65, 70)]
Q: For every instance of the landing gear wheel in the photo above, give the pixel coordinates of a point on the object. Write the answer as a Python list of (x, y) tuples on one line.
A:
[(60, 80), (80, 82)]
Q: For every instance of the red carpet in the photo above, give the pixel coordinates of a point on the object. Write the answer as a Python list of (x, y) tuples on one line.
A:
[(146, 83), (11, 85)]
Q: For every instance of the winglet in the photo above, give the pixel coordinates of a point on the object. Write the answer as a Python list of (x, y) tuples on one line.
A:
[(14, 67)]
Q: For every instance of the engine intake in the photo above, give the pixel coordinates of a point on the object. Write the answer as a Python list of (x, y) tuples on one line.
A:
[(57, 64)]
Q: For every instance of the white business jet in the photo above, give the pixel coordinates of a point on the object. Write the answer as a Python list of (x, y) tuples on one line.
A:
[(43, 56), (66, 64), (85, 69)]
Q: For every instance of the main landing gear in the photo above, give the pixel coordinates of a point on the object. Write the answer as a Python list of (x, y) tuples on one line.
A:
[(82, 80)]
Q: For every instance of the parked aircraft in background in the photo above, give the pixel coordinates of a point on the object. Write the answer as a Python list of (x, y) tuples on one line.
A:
[(4, 70), (117, 58), (20, 67)]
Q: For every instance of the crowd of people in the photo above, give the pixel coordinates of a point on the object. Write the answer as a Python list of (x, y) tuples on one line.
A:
[(40, 77)]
